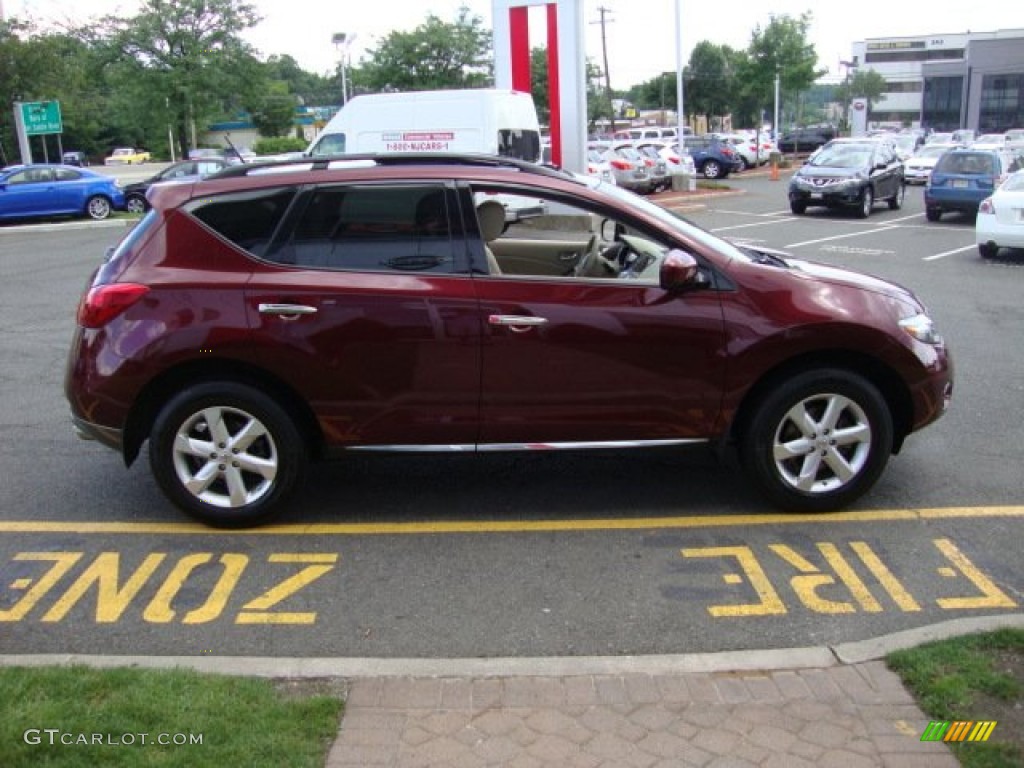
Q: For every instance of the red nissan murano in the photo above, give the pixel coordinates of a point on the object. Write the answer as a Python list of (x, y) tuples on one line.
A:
[(275, 314)]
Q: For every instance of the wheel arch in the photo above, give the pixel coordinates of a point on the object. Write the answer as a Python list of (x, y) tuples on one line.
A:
[(884, 378), (172, 381)]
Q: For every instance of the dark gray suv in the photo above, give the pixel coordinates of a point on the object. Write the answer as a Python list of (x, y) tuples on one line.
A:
[(849, 173)]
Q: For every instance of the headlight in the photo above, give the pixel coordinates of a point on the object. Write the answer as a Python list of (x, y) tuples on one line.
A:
[(921, 328)]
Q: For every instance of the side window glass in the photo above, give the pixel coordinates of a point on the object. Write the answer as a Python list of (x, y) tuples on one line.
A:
[(524, 145), (372, 229), (64, 174), (545, 238), (247, 219)]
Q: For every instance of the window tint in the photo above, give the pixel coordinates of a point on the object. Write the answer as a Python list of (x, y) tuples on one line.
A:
[(65, 174), (247, 219), (371, 228)]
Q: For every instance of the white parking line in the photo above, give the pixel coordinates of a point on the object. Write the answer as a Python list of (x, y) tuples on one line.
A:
[(840, 237), (950, 253), (903, 218), (753, 224)]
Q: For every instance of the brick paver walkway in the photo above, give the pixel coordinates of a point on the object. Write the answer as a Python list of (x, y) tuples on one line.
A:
[(852, 716)]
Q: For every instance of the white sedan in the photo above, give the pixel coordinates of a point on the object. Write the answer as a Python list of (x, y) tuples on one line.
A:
[(918, 167), (1000, 222)]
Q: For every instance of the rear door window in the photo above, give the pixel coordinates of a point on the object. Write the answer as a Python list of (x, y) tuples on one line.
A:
[(370, 228)]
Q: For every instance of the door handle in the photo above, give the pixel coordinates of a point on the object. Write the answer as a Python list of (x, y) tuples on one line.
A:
[(516, 323), (286, 310)]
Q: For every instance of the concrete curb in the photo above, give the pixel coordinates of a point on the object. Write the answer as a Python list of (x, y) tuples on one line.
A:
[(62, 226), (818, 657)]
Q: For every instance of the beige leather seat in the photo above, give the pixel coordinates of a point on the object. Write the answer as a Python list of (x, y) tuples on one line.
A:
[(491, 215)]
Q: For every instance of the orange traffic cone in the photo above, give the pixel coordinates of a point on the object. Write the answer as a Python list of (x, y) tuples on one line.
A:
[(775, 171)]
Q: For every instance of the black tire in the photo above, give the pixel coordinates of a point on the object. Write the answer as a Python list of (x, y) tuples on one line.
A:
[(867, 202), (97, 207), (712, 169), (988, 250), (239, 491), (896, 201), (135, 204), (834, 401), (799, 207), (933, 214)]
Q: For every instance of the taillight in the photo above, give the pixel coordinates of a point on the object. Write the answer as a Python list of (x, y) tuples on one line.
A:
[(987, 206), (622, 165), (727, 152), (649, 162), (591, 169), (105, 302), (674, 160)]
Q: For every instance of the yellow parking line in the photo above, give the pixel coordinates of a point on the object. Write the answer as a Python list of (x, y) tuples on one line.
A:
[(514, 526)]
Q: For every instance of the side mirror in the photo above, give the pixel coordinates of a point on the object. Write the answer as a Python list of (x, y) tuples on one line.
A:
[(679, 271)]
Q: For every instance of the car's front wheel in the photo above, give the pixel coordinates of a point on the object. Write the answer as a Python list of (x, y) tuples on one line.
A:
[(135, 204), (226, 453), (97, 207), (797, 206), (818, 441), (867, 202), (933, 214)]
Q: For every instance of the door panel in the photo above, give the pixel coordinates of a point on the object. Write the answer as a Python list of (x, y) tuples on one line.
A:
[(599, 360)]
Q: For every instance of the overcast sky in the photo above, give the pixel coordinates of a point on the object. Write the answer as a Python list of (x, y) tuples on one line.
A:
[(640, 33)]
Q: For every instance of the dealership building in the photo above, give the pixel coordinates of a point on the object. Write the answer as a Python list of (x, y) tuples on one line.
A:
[(948, 81)]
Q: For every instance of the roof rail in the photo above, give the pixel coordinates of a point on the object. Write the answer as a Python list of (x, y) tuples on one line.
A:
[(324, 162)]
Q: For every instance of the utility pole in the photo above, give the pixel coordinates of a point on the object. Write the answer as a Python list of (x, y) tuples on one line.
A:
[(604, 52)]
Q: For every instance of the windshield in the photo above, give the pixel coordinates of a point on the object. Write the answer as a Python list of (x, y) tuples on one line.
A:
[(842, 156), (990, 138), (932, 152), (674, 221)]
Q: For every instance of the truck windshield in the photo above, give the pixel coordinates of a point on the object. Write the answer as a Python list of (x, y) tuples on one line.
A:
[(329, 144), (524, 145)]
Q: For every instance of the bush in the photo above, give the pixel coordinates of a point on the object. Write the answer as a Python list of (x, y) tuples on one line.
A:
[(279, 145)]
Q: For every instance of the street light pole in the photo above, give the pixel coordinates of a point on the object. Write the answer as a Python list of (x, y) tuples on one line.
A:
[(343, 41)]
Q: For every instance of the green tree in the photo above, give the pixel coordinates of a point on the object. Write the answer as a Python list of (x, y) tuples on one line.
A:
[(272, 109), (710, 81), (186, 58), (782, 49), (866, 84), (435, 55), (311, 89)]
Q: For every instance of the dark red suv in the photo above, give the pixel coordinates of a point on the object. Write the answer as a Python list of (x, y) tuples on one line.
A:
[(274, 314)]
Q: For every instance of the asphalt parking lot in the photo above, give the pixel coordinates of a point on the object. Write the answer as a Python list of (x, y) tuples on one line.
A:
[(664, 552)]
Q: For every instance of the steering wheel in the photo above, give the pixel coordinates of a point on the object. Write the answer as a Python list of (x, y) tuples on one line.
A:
[(593, 256)]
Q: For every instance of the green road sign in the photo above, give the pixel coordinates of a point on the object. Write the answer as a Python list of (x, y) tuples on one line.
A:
[(41, 117)]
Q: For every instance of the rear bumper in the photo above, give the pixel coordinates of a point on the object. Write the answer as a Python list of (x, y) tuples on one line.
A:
[(86, 430)]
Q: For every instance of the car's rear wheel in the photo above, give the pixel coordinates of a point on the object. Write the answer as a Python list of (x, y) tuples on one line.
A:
[(896, 201), (818, 441), (797, 206), (933, 214), (135, 204), (988, 250), (867, 202), (711, 169), (226, 453), (97, 207)]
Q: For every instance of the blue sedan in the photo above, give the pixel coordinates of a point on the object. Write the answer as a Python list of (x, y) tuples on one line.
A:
[(30, 191)]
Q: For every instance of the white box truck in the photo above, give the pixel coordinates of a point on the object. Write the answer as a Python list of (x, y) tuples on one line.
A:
[(489, 121)]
